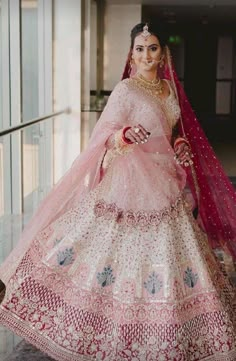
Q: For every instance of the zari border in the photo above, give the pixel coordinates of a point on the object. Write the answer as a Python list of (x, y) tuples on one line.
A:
[(42, 343), (111, 211), (55, 351), (230, 356)]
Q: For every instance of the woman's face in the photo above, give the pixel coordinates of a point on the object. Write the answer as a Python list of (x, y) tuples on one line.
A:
[(146, 52)]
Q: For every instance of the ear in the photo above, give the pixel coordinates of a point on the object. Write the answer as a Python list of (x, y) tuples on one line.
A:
[(164, 53)]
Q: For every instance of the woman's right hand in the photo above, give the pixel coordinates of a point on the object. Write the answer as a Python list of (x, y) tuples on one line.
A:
[(137, 134)]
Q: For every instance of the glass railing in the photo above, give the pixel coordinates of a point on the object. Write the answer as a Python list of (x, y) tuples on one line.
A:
[(26, 158), (31, 152)]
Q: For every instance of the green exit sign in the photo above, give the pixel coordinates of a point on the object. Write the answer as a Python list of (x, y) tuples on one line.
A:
[(175, 39)]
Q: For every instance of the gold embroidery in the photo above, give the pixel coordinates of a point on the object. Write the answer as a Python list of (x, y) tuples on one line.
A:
[(168, 105)]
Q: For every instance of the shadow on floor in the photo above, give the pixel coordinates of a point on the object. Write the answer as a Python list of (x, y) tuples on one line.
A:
[(2, 291), (27, 352)]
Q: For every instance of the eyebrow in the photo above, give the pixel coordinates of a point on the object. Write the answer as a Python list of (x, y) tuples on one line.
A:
[(142, 46)]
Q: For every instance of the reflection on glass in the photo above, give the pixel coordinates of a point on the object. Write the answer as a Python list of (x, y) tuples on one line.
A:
[(0, 69), (1, 181), (224, 73), (1, 125), (223, 97), (30, 168), (30, 102), (29, 41)]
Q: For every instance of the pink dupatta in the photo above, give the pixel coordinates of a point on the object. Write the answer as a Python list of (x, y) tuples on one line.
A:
[(82, 177)]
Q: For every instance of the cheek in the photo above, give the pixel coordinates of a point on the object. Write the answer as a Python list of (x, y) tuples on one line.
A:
[(137, 56), (156, 54)]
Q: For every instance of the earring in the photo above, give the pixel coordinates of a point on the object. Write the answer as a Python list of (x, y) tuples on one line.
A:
[(161, 62), (130, 66)]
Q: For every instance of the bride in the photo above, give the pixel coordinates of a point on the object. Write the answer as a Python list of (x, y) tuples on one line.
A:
[(118, 262)]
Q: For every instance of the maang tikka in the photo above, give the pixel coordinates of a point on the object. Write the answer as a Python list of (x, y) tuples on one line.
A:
[(145, 32)]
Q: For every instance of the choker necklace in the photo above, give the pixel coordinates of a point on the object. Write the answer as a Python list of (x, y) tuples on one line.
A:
[(155, 85)]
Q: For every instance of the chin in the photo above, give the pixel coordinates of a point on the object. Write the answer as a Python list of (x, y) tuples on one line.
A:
[(148, 68)]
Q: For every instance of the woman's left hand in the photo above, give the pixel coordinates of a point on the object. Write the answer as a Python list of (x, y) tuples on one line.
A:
[(183, 154)]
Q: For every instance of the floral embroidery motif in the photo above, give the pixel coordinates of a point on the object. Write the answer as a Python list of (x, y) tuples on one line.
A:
[(130, 218), (153, 284), (57, 241), (92, 341), (64, 258), (106, 277), (190, 278)]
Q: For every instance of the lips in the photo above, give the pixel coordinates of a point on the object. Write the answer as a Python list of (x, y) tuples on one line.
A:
[(150, 62)]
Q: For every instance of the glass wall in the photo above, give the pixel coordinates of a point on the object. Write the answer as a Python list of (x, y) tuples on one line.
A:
[(25, 94), (30, 102), (4, 91), (0, 67), (1, 125), (40, 67)]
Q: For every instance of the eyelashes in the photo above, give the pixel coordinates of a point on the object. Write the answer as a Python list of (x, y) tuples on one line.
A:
[(153, 48)]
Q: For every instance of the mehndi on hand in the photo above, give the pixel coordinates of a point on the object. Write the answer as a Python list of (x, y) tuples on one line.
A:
[(183, 153)]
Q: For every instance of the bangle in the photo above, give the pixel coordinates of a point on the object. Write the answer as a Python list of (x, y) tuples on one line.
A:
[(180, 140), (125, 140), (121, 146)]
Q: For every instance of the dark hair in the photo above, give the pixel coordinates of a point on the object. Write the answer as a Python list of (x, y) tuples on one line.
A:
[(158, 31)]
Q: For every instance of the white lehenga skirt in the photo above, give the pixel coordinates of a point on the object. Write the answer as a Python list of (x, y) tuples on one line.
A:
[(101, 283)]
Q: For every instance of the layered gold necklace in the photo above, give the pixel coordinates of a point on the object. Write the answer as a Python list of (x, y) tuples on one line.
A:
[(154, 86)]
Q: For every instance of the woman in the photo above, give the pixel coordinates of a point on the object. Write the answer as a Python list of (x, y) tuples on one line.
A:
[(113, 265)]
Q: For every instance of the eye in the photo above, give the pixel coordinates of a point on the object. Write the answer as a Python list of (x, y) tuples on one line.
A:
[(139, 49), (154, 48)]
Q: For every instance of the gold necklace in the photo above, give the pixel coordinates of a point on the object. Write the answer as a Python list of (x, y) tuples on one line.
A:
[(155, 85), (154, 81)]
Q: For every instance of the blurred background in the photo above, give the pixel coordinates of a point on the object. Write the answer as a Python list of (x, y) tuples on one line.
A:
[(60, 60)]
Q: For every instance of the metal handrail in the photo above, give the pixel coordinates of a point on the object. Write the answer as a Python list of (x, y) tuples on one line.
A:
[(33, 121)]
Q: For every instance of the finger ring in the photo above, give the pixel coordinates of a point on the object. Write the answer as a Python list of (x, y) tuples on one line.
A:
[(136, 130)]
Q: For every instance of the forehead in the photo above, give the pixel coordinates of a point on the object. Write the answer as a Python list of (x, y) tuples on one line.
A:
[(140, 40)]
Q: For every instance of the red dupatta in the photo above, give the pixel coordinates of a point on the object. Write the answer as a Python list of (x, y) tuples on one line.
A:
[(210, 186)]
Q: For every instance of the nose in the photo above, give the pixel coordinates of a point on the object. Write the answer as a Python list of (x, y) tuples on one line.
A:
[(146, 53)]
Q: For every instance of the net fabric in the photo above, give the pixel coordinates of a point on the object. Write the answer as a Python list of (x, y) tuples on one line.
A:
[(217, 196), (83, 176), (210, 186), (150, 167)]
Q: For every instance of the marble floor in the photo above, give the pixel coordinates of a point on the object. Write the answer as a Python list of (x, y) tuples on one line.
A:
[(26, 352), (10, 230)]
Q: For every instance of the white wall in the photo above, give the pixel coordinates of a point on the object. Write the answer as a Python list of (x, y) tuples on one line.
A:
[(119, 21), (67, 80), (93, 47)]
